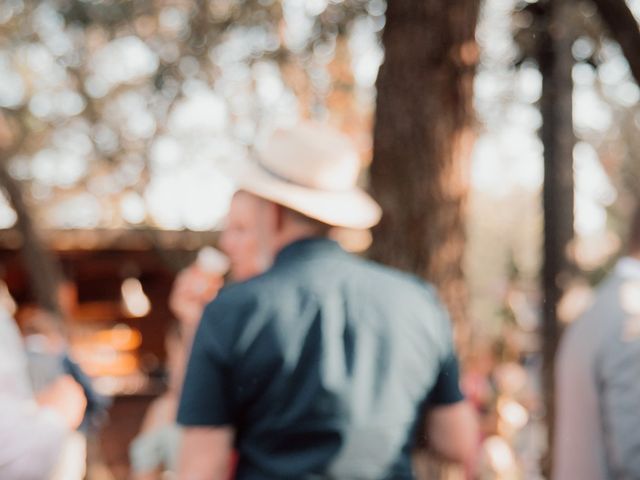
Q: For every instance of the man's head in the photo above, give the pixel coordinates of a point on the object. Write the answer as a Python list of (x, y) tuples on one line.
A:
[(300, 184), (257, 229)]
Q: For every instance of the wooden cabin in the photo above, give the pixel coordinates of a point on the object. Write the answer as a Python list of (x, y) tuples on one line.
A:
[(121, 346)]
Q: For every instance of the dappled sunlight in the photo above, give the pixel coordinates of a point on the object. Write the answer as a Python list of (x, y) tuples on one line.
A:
[(122, 124)]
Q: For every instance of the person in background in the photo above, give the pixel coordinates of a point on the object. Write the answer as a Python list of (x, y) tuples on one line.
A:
[(33, 429), (49, 358), (597, 432), (323, 366), (156, 447), (154, 451)]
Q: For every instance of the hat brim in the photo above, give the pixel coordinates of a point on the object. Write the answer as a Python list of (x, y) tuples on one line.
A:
[(352, 208)]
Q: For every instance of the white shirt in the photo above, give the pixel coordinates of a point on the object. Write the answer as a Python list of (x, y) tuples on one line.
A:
[(31, 437), (628, 267)]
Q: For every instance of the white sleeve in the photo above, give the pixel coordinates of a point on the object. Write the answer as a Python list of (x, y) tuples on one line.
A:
[(31, 439)]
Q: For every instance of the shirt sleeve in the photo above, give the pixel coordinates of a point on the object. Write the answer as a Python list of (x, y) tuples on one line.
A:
[(206, 392), (446, 390), (31, 439), (619, 371)]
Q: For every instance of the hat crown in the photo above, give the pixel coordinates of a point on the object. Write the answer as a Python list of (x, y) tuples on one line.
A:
[(312, 156)]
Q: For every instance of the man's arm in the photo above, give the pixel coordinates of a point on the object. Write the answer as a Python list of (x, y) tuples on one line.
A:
[(452, 433), (205, 453), (452, 428)]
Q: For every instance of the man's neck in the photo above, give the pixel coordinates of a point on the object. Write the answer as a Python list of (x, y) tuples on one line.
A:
[(295, 236)]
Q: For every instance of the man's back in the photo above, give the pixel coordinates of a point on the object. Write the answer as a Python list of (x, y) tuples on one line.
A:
[(323, 366)]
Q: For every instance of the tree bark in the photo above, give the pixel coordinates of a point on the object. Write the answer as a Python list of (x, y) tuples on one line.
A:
[(422, 142), (555, 62), (623, 28), (44, 272)]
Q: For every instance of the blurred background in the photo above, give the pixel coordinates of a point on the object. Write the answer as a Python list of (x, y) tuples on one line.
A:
[(501, 137)]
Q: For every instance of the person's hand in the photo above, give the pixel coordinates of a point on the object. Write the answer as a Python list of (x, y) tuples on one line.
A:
[(192, 290), (66, 397)]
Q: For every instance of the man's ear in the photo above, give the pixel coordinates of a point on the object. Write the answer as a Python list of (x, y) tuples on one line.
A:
[(280, 217)]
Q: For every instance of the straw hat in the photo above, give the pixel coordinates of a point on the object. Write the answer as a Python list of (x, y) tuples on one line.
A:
[(311, 169)]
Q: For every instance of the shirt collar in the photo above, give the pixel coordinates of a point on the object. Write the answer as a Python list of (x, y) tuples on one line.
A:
[(628, 267), (308, 247)]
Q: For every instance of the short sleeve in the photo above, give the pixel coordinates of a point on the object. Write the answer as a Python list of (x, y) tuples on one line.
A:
[(446, 390), (206, 392)]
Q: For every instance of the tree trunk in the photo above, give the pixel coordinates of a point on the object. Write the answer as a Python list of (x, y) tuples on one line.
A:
[(556, 62), (44, 272), (623, 28), (422, 141)]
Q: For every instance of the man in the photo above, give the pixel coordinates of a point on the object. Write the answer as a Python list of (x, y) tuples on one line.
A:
[(598, 380), (33, 434), (49, 360), (326, 365)]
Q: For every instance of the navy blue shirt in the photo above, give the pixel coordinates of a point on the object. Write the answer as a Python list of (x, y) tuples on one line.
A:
[(323, 365)]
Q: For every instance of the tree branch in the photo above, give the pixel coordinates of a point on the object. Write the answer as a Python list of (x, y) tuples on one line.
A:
[(623, 28)]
